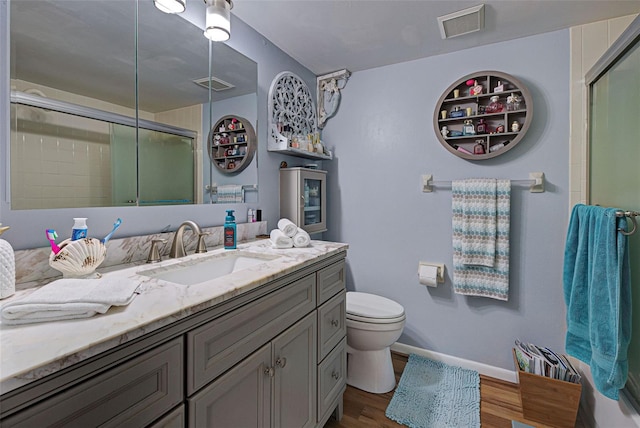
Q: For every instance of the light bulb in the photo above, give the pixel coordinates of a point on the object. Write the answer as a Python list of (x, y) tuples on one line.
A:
[(170, 6), (218, 21)]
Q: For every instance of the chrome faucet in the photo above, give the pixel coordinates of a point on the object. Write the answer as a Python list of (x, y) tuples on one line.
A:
[(177, 247)]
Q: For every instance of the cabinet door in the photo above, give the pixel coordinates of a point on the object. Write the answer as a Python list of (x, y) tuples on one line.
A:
[(240, 398), (314, 212), (294, 359)]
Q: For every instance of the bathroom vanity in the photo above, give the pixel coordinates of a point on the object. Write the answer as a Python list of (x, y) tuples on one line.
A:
[(264, 346)]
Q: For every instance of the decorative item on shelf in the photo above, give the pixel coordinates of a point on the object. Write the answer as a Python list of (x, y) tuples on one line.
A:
[(478, 149), (513, 102), (444, 131), (216, 140), (231, 165), (456, 112), (482, 109), (454, 133), (221, 128), (500, 128), (498, 146), (515, 126), (468, 128), (481, 127), (461, 149), (456, 93), (495, 106), (499, 87), (475, 88), (443, 114), (469, 111)]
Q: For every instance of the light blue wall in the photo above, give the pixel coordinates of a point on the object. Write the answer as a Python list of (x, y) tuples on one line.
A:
[(27, 226), (385, 140)]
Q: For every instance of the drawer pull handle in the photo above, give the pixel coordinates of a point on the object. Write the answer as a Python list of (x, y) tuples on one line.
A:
[(335, 323), (269, 371), (281, 362), (335, 375)]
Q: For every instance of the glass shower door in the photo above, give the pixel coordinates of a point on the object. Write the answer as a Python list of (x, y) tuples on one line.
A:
[(614, 172)]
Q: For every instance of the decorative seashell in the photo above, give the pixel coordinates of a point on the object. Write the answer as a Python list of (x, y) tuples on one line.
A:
[(78, 258)]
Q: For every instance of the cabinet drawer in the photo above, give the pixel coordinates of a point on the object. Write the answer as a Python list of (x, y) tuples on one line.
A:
[(175, 419), (331, 324), (218, 345), (133, 394), (330, 281), (332, 379)]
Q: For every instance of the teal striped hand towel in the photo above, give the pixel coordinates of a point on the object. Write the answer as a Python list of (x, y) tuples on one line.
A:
[(481, 210)]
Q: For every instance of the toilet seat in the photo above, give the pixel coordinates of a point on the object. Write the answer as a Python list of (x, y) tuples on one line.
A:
[(370, 308)]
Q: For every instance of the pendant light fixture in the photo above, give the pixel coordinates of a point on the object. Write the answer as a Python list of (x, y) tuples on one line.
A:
[(171, 6), (218, 22)]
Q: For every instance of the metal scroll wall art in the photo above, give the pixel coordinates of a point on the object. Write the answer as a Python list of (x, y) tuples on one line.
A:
[(292, 110)]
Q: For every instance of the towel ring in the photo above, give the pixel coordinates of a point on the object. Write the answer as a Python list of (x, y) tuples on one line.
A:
[(632, 217)]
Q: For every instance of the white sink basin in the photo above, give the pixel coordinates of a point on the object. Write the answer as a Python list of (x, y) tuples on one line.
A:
[(207, 268)]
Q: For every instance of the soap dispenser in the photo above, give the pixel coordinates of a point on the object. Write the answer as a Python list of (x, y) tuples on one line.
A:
[(229, 231)]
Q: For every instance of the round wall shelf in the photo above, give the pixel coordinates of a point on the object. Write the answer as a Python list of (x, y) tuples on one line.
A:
[(231, 144), (483, 115)]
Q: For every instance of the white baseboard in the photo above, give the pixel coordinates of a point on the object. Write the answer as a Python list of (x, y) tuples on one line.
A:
[(484, 369)]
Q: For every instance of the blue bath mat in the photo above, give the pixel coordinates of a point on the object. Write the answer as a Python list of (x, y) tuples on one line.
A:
[(432, 394)]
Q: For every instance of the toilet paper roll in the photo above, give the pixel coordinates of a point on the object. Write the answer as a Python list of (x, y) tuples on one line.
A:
[(428, 275)]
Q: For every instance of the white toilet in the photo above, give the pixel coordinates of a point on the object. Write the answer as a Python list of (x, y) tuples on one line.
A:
[(374, 323)]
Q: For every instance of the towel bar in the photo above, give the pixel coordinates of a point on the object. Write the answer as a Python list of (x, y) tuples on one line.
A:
[(632, 216), (535, 182)]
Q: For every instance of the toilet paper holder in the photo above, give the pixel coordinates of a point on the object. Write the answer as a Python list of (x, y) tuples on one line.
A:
[(439, 273)]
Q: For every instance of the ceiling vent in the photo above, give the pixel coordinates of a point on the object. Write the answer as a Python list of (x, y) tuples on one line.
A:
[(462, 22), (216, 84)]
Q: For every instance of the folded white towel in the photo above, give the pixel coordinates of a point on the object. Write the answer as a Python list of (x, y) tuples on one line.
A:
[(70, 298), (287, 227), (279, 239), (301, 239)]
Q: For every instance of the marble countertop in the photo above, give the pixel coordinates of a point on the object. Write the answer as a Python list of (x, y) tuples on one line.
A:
[(32, 351)]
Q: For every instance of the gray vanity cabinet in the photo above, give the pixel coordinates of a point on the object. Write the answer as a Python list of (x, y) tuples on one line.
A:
[(274, 357), (275, 386)]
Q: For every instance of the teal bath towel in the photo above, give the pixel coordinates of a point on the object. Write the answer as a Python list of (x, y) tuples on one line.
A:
[(597, 292)]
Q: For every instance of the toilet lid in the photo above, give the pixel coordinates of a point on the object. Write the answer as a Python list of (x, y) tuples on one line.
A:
[(372, 306)]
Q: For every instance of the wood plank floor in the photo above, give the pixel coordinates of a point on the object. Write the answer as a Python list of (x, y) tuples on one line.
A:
[(499, 404)]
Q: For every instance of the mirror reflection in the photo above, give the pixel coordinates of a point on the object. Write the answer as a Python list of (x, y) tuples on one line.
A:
[(85, 133)]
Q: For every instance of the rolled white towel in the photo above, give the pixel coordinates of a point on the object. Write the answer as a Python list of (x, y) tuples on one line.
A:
[(70, 298), (287, 227), (279, 239), (301, 239)]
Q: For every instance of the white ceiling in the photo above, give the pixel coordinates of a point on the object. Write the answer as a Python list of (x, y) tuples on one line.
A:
[(329, 35)]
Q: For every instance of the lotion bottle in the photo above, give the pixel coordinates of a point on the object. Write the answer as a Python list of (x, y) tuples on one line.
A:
[(229, 236)]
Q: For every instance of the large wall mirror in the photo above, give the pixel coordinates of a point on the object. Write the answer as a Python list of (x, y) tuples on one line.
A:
[(112, 102)]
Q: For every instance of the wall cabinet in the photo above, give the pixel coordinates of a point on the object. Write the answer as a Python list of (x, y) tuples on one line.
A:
[(231, 144), (483, 115), (303, 198), (271, 357)]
